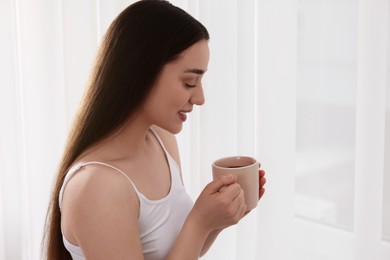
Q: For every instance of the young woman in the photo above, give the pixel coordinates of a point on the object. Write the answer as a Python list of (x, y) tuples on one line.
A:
[(119, 192)]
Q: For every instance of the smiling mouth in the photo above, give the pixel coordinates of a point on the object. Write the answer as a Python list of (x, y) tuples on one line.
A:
[(183, 115)]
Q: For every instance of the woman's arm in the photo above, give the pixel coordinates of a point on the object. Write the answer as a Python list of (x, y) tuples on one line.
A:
[(102, 219), (215, 209), (209, 241), (214, 234)]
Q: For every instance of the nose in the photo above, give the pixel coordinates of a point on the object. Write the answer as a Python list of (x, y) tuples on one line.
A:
[(197, 97)]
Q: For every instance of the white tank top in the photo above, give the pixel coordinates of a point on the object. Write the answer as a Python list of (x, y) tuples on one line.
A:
[(160, 221)]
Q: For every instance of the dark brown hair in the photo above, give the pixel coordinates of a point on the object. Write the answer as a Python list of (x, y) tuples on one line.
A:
[(141, 40)]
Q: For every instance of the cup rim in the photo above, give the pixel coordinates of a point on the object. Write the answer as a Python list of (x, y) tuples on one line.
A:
[(234, 157)]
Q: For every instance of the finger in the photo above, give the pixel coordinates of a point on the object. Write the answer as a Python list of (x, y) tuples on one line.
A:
[(261, 173), (261, 193), (232, 191), (240, 197), (244, 206), (239, 202), (242, 210), (262, 182), (240, 206), (219, 182)]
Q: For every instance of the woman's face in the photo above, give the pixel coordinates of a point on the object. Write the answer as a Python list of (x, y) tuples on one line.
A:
[(178, 88)]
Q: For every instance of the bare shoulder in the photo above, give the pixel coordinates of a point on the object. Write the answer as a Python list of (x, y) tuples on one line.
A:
[(169, 141), (100, 212), (94, 180)]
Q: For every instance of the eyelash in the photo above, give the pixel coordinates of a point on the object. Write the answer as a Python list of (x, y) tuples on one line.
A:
[(189, 85)]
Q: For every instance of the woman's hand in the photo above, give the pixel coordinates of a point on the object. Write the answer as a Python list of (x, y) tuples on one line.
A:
[(262, 181), (220, 204)]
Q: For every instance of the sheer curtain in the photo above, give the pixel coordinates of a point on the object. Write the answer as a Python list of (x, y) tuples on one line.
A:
[(300, 85)]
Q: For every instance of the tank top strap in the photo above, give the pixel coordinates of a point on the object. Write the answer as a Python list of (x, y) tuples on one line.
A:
[(78, 166), (158, 139), (176, 181), (173, 165)]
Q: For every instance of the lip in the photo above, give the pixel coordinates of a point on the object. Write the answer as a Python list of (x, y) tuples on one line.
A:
[(186, 111), (183, 114), (183, 117)]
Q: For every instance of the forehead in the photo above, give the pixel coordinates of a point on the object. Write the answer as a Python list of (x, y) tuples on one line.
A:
[(195, 57)]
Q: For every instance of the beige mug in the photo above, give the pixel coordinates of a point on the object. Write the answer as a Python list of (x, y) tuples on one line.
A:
[(247, 171)]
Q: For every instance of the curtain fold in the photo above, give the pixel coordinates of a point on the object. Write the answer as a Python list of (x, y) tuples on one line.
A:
[(370, 127), (11, 149), (275, 124)]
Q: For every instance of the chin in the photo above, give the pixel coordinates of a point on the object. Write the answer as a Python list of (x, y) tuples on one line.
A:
[(175, 130), (172, 129)]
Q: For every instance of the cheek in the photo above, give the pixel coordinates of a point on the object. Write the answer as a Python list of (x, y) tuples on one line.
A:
[(177, 97), (172, 94), (181, 99)]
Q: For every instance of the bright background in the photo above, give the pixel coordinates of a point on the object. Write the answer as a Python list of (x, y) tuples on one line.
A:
[(302, 85)]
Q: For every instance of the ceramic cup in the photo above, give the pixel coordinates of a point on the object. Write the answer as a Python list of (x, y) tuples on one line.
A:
[(247, 171)]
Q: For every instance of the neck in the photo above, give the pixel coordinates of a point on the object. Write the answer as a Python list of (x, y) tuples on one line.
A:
[(128, 143)]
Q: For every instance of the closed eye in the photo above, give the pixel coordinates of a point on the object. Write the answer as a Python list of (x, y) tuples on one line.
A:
[(189, 85)]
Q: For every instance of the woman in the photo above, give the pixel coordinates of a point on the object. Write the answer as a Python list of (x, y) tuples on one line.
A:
[(119, 192)]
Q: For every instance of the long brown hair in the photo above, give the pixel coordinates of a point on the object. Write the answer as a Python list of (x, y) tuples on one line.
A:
[(140, 41)]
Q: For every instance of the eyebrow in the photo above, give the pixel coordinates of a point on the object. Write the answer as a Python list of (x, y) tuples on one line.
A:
[(196, 71)]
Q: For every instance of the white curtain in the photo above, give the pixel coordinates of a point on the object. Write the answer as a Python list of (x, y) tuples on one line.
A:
[(257, 79)]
